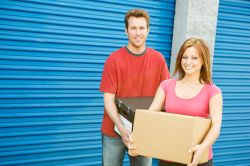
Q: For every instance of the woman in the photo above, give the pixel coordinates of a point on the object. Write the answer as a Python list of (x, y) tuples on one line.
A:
[(193, 93)]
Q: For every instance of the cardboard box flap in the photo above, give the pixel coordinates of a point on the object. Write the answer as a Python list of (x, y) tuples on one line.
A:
[(164, 135)]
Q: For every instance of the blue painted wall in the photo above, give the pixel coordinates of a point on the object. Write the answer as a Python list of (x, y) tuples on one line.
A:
[(231, 72), (51, 60)]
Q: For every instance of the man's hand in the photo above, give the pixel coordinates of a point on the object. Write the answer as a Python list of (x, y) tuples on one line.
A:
[(131, 148), (111, 109), (125, 134)]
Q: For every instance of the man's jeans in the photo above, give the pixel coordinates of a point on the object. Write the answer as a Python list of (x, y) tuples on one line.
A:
[(113, 150)]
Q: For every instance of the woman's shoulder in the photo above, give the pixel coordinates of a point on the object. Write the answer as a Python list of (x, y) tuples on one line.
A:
[(212, 89), (168, 82)]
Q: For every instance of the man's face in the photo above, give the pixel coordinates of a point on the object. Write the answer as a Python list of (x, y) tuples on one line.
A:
[(137, 32)]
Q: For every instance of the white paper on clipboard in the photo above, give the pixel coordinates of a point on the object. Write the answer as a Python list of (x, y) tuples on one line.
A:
[(125, 123)]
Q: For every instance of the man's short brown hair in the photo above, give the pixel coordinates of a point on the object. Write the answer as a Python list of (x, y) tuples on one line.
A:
[(136, 13)]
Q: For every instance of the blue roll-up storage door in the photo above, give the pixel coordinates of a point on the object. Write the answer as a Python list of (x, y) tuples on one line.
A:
[(231, 72), (51, 60)]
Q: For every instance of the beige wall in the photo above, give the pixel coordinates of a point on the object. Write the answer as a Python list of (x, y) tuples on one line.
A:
[(194, 18)]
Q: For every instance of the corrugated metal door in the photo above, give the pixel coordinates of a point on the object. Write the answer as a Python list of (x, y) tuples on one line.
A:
[(51, 60), (231, 71)]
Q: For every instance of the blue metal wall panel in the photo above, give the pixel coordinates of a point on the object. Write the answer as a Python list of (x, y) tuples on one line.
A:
[(231, 72), (51, 60)]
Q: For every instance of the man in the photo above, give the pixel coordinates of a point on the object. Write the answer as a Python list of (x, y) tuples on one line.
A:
[(131, 71)]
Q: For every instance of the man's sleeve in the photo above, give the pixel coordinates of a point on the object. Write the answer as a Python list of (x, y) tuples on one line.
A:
[(109, 77)]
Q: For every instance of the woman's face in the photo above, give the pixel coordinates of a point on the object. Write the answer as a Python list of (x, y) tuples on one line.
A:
[(191, 61)]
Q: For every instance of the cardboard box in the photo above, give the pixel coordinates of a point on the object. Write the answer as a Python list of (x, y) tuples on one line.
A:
[(168, 136)]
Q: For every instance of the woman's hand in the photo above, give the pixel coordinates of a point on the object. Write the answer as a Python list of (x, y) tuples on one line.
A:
[(131, 148), (197, 150)]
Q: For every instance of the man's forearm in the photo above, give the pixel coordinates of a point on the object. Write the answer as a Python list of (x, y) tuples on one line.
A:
[(111, 109)]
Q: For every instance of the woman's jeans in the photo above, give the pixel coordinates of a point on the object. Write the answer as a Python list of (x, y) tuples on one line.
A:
[(113, 150), (164, 163)]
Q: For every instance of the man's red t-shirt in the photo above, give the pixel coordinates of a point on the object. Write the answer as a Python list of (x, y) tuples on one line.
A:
[(129, 75)]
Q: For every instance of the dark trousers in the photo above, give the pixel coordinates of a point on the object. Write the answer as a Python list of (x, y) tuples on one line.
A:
[(165, 163)]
